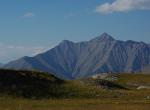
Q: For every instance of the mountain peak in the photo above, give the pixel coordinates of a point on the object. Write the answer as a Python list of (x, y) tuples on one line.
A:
[(102, 54), (103, 37), (65, 43)]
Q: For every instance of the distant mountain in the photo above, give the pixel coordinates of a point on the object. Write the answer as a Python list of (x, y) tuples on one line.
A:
[(71, 60), (1, 65)]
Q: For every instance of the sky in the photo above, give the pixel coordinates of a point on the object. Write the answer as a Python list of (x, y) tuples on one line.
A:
[(29, 27)]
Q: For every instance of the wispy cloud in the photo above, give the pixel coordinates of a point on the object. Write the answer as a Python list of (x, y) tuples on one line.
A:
[(123, 6), (70, 15), (29, 14), (12, 52)]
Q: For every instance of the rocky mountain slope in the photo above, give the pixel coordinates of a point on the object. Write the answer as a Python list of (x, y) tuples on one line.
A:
[(102, 54)]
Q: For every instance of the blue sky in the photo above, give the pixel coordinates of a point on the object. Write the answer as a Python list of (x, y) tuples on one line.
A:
[(28, 27)]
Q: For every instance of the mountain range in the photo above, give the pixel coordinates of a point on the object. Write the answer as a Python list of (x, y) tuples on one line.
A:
[(1, 65), (103, 54)]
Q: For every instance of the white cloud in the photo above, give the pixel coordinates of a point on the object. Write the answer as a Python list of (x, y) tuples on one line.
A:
[(123, 6), (28, 14), (12, 52)]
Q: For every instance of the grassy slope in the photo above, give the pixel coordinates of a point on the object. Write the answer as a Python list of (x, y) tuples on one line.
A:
[(36, 84), (30, 84), (71, 95), (72, 104), (132, 81)]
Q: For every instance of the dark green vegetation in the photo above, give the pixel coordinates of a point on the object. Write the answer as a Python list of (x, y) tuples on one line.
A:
[(29, 84), (31, 90), (39, 85), (102, 83)]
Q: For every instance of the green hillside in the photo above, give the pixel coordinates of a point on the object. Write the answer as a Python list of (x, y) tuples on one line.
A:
[(132, 81), (33, 90), (32, 84)]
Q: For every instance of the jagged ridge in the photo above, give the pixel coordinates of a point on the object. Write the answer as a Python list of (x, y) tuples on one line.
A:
[(71, 60)]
